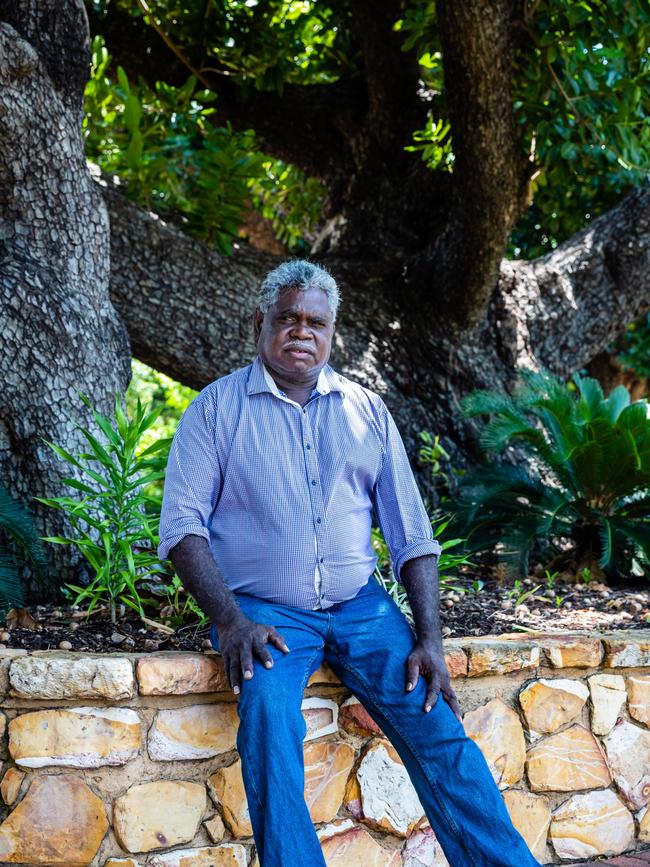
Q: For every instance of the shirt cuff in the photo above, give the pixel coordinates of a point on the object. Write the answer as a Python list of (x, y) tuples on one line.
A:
[(418, 548), (171, 540)]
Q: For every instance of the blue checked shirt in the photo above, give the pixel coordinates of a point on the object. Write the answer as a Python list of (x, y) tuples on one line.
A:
[(283, 493)]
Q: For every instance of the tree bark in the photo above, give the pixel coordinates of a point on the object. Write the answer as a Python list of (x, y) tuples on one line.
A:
[(557, 312), (59, 331)]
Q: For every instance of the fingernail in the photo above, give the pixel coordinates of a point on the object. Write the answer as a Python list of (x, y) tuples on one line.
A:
[(268, 663), (409, 686), (236, 690), (286, 648), (248, 674), (428, 708)]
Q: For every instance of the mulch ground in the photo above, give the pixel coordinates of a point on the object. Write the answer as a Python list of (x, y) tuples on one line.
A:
[(492, 609)]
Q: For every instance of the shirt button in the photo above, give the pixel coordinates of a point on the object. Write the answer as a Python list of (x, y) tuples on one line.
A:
[(318, 520), (313, 481), (308, 446), (322, 559)]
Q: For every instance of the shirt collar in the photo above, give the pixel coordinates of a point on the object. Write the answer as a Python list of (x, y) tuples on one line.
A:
[(259, 380)]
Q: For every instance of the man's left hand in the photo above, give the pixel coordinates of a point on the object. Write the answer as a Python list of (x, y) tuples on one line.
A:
[(427, 660)]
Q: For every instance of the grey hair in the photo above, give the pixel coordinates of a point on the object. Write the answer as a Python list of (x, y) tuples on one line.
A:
[(298, 274)]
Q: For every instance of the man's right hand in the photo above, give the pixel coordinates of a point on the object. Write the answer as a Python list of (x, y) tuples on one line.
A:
[(239, 641)]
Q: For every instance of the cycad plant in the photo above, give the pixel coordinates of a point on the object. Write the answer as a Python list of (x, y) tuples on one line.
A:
[(114, 519), (19, 542), (584, 488)]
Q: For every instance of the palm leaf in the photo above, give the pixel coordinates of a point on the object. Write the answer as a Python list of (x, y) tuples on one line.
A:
[(11, 588)]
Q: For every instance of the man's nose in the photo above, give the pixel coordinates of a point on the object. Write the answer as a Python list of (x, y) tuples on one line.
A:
[(301, 331)]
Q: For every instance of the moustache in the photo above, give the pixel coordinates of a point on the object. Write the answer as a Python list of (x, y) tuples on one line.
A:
[(300, 346)]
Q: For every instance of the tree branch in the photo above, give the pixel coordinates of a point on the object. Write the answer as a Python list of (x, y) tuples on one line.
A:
[(188, 309), (562, 309), (391, 76), (307, 125), (490, 169), (59, 34)]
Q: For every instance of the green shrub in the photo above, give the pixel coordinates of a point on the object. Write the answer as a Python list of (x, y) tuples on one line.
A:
[(448, 564), (111, 526), (584, 490), (19, 541)]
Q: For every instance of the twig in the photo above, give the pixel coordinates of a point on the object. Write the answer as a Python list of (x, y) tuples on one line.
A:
[(159, 626), (172, 45)]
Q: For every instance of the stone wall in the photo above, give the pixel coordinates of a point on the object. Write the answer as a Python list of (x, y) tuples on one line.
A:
[(130, 759)]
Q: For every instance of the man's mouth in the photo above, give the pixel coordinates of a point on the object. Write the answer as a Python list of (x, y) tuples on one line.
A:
[(299, 351)]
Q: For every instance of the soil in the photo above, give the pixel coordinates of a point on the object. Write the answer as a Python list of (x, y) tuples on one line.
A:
[(470, 609)]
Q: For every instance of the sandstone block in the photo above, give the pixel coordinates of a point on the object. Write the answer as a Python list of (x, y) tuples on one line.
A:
[(226, 855), (327, 768), (352, 797), (567, 761), (531, 816), (638, 702), (121, 862), (6, 656), (574, 652), (497, 731), (215, 828), (227, 789), (549, 704), (80, 737), (323, 676), (159, 814), (627, 651), (59, 821), (321, 716), (348, 845), (496, 657), (455, 660), (3, 724), (338, 826), (354, 718), (181, 674), (594, 823), (628, 753), (388, 800), (62, 675), (198, 731), (607, 698), (644, 825), (422, 849), (10, 785)]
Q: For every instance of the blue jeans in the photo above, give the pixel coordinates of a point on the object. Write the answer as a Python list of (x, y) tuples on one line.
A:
[(366, 641)]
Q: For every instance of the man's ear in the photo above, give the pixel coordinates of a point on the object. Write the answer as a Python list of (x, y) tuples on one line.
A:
[(258, 318)]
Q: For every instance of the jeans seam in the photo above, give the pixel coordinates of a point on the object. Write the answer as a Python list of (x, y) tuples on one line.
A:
[(454, 826), (308, 672), (252, 779), (244, 750)]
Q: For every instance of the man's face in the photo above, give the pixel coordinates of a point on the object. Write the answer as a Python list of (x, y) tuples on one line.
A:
[(294, 336)]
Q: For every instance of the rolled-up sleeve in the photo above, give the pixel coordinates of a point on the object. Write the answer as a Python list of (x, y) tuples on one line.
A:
[(193, 477), (400, 510)]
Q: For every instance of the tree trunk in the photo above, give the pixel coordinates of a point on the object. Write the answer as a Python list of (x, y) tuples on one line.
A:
[(59, 331)]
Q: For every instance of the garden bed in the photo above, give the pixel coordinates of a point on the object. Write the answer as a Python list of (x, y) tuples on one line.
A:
[(475, 608)]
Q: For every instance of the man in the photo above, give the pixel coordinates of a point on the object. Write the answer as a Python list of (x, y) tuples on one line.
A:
[(271, 481)]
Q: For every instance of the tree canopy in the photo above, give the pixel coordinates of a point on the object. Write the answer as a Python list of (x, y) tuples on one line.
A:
[(183, 97)]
